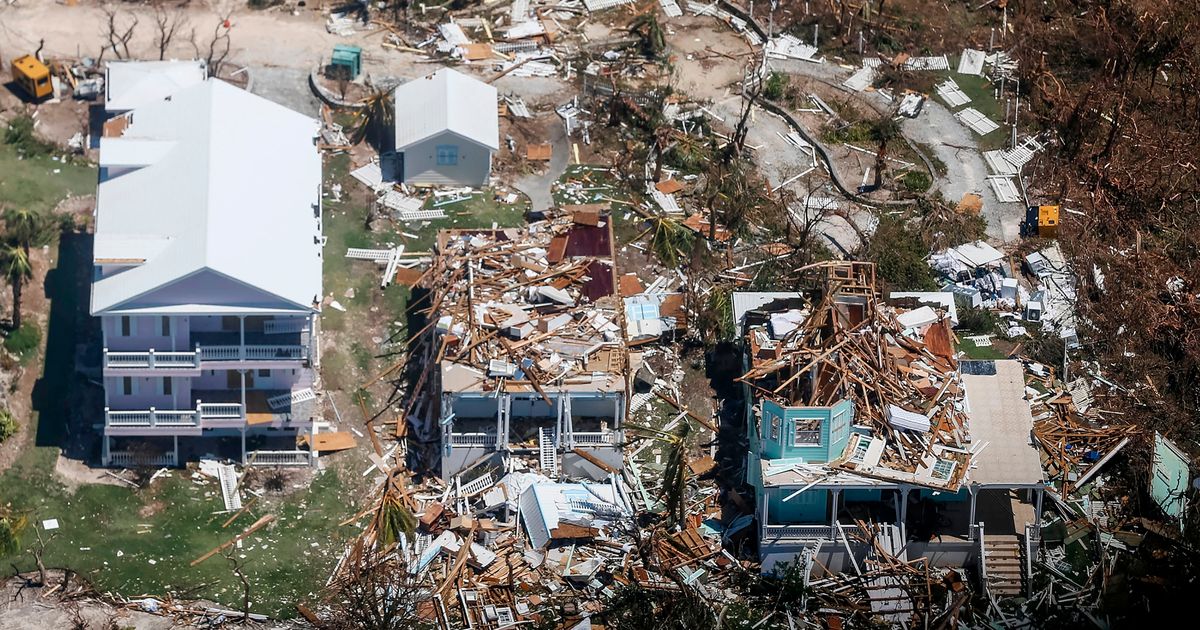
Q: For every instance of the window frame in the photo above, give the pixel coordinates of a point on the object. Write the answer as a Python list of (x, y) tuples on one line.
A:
[(802, 425), (446, 154), (125, 326), (126, 385), (933, 470), (168, 386), (776, 428), (166, 325)]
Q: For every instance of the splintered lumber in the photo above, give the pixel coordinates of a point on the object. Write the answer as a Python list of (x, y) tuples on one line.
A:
[(595, 461), (245, 508), (463, 552), (259, 524), (694, 416)]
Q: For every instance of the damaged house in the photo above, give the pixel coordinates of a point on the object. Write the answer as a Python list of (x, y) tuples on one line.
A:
[(530, 344), (857, 416), (207, 278)]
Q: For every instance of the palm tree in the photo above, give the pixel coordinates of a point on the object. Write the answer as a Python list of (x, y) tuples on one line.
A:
[(16, 268), (30, 228), (375, 116), (676, 474)]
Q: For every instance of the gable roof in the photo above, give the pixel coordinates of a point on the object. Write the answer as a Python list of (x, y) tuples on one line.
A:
[(446, 101), (213, 179), (132, 84)]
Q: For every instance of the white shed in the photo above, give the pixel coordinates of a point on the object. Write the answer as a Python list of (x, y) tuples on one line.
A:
[(447, 127)]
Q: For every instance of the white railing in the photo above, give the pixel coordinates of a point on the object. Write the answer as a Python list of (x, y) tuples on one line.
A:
[(218, 410), (126, 459), (151, 418), (597, 438), (472, 439), (1032, 545), (977, 531), (252, 353), (801, 532), (151, 360), (279, 458)]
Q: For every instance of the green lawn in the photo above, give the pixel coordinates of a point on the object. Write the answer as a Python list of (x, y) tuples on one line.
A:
[(40, 182), (976, 352), (141, 542)]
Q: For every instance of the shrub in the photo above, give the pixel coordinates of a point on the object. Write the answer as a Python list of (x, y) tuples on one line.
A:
[(24, 341), (916, 181), (8, 425), (978, 321), (21, 135), (776, 86), (899, 254)]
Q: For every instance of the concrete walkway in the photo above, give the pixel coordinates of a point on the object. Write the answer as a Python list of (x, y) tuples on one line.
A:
[(537, 187)]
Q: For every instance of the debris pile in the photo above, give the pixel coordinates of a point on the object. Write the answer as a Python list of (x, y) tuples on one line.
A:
[(836, 343)]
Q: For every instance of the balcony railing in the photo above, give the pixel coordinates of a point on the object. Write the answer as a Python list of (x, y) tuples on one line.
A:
[(252, 353), (154, 360), (472, 439), (603, 438), (151, 360), (171, 418), (279, 458), (799, 532)]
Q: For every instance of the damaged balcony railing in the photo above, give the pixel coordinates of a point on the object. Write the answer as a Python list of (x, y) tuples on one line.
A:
[(800, 532), (472, 439), (599, 438)]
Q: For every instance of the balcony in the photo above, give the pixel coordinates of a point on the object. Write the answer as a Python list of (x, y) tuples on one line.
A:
[(790, 533), (486, 440), (599, 438), (171, 421), (153, 360)]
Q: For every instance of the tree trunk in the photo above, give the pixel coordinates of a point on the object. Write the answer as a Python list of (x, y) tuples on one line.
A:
[(16, 290)]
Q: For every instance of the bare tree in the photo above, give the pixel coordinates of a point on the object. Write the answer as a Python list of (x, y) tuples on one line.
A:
[(217, 49), (237, 567), (118, 32), (167, 24)]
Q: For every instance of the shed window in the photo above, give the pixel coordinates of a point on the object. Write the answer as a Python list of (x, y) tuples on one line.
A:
[(775, 425), (807, 433), (447, 155)]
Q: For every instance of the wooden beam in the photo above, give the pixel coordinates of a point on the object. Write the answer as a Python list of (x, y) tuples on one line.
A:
[(259, 524)]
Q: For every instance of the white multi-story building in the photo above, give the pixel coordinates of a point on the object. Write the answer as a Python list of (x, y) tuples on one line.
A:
[(207, 276)]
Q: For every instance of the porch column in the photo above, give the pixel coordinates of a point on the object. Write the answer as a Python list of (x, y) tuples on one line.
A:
[(766, 503), (242, 373), (904, 513), (833, 517), (105, 450), (971, 518), (176, 449), (243, 446), (242, 337), (1037, 510)]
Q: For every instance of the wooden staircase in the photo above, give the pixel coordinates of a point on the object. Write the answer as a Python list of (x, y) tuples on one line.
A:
[(1004, 566)]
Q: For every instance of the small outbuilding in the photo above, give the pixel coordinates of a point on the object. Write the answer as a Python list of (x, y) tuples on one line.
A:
[(447, 128)]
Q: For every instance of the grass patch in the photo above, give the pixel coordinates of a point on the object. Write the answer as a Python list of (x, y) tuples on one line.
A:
[(983, 98), (40, 181), (983, 353), (99, 535), (24, 342)]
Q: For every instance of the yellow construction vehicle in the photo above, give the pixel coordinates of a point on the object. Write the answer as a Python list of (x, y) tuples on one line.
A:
[(33, 76)]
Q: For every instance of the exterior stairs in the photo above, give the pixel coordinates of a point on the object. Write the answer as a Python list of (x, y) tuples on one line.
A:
[(1004, 566)]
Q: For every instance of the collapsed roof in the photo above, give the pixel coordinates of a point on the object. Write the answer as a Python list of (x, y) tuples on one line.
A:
[(520, 310), (836, 342)]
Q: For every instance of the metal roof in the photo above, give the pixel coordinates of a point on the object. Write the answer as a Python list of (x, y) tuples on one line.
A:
[(132, 84), (210, 206), (446, 101)]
